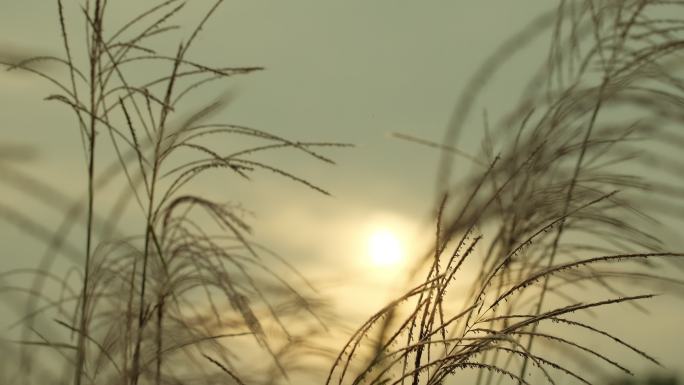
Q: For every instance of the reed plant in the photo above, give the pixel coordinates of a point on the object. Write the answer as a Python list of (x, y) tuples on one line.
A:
[(561, 214), (177, 300)]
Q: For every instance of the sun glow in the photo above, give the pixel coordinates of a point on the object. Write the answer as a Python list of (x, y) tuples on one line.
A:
[(384, 248)]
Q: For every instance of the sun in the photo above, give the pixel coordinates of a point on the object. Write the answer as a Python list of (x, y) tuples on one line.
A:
[(385, 248)]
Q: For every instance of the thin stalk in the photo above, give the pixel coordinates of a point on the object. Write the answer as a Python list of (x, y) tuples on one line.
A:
[(160, 345), (151, 217), (83, 327)]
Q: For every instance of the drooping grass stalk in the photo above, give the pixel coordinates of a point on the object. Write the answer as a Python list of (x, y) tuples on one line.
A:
[(564, 213), (607, 77)]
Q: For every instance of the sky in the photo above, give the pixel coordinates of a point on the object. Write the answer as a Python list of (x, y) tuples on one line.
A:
[(352, 72), (342, 71)]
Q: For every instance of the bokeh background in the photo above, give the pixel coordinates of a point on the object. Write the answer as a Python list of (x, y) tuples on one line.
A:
[(345, 71)]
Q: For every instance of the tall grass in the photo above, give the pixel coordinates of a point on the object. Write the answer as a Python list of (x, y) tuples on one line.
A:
[(177, 302), (558, 218), (569, 183)]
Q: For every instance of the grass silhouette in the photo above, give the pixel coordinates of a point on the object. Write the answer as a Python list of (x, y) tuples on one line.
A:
[(137, 311), (547, 207), (550, 221)]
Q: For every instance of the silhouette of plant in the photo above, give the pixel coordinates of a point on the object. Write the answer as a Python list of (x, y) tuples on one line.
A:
[(568, 184), (183, 291)]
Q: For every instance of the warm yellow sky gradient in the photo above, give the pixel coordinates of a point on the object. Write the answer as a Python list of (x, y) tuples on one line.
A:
[(351, 71)]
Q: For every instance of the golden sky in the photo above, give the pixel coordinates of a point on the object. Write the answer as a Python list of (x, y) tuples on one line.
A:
[(347, 71)]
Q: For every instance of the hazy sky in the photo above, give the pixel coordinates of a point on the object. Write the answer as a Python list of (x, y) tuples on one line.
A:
[(352, 72), (346, 71)]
